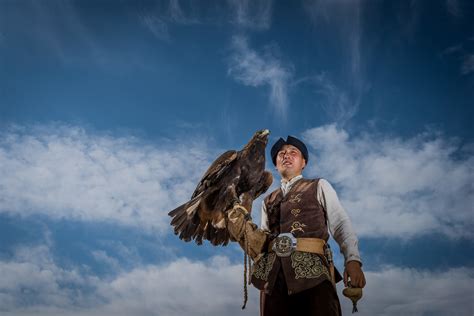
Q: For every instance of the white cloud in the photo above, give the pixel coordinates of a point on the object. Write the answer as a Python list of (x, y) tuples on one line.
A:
[(183, 287), (397, 187), (33, 284), (253, 69), (68, 172), (255, 15), (102, 256), (33, 278), (404, 291)]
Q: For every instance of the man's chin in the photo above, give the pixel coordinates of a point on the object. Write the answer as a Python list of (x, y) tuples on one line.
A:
[(287, 174)]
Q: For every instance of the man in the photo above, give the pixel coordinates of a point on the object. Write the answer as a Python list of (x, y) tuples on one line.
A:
[(301, 281)]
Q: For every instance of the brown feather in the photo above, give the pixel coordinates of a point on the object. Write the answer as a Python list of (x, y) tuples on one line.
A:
[(232, 175)]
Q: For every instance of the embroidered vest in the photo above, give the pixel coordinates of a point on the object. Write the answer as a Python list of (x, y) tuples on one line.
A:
[(299, 213)]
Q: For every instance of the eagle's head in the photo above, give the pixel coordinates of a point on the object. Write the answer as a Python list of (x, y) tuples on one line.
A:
[(261, 135), (259, 140)]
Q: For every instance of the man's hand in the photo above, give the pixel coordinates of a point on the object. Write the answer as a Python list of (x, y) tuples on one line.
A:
[(245, 232), (354, 272)]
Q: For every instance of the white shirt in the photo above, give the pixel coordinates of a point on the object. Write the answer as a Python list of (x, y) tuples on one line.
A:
[(339, 223)]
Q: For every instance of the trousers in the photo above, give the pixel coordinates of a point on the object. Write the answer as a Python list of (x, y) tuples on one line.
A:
[(321, 300)]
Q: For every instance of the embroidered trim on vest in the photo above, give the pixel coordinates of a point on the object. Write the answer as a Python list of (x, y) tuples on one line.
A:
[(296, 212), (308, 266), (295, 198), (297, 226), (263, 266)]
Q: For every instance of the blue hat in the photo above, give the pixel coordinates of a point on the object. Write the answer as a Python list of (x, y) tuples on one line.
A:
[(290, 140)]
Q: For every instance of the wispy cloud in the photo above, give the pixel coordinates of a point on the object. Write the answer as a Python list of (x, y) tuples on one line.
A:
[(338, 104), (453, 8), (463, 52), (175, 12), (395, 187), (58, 29), (468, 64), (345, 19), (451, 50), (159, 19), (67, 172), (256, 15), (156, 25), (261, 69)]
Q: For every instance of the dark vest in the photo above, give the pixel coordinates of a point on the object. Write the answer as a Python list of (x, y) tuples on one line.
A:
[(300, 213)]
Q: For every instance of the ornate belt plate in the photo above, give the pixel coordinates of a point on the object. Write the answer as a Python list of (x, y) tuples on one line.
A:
[(284, 245)]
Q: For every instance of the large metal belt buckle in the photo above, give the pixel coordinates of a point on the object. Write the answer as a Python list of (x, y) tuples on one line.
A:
[(284, 244)]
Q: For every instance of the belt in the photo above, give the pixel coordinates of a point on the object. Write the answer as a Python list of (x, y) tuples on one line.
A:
[(284, 244)]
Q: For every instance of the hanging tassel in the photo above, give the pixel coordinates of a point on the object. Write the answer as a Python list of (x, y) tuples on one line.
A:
[(354, 294), (354, 308), (245, 270)]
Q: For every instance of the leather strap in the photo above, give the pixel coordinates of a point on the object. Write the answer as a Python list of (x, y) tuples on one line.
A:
[(313, 245)]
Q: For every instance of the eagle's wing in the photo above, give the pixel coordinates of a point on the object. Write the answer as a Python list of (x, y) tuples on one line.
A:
[(263, 184), (218, 168), (193, 220)]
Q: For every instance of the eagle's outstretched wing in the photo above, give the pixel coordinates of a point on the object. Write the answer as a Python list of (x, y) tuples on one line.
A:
[(218, 168), (191, 219)]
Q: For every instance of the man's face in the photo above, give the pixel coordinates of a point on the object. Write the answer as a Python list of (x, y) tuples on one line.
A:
[(290, 161)]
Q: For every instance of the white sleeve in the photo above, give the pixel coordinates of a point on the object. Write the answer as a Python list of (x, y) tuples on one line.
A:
[(339, 223), (264, 221)]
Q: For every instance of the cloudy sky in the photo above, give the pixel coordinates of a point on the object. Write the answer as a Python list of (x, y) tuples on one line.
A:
[(110, 112)]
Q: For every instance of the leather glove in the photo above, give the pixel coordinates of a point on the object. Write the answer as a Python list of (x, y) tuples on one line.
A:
[(241, 228)]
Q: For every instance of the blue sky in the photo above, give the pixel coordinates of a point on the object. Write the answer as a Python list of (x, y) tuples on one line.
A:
[(110, 112)]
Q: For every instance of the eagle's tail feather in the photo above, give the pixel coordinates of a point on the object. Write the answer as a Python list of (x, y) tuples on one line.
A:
[(187, 224), (215, 236), (221, 237), (207, 231), (185, 220), (198, 234), (189, 231)]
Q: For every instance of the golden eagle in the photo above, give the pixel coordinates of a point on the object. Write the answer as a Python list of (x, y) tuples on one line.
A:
[(236, 177)]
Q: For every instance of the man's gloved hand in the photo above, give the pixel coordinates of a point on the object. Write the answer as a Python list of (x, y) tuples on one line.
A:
[(245, 232)]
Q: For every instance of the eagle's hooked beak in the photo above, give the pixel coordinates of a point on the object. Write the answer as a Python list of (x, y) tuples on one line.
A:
[(265, 132)]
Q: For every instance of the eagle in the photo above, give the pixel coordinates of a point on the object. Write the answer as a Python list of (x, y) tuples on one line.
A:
[(234, 178)]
